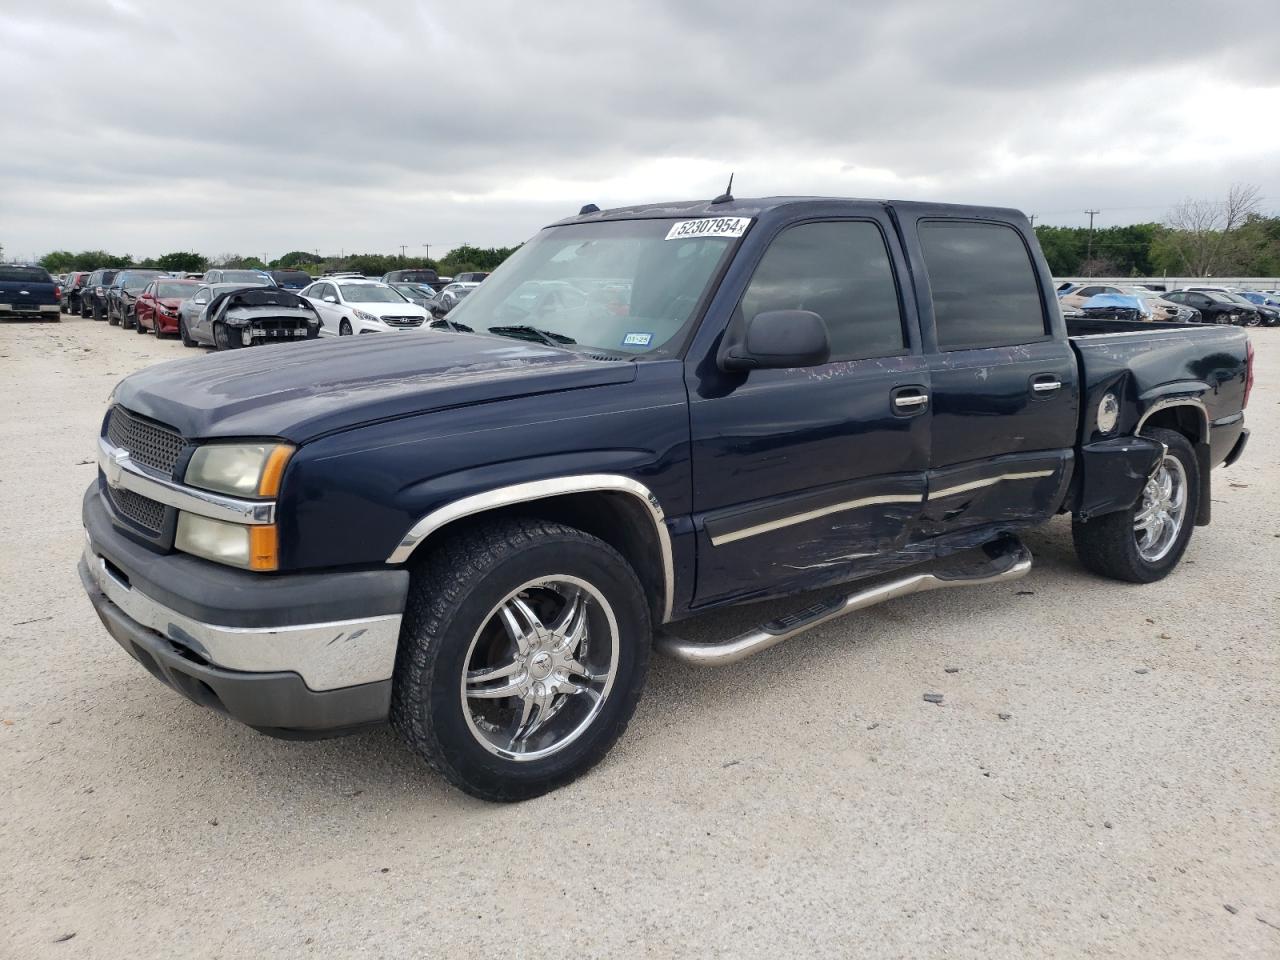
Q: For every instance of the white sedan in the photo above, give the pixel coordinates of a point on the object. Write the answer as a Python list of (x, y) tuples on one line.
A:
[(348, 306)]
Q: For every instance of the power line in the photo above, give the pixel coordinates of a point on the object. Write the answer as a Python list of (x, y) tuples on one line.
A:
[(1089, 255)]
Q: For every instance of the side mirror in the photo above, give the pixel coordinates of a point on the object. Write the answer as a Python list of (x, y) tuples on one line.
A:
[(330, 299), (778, 339)]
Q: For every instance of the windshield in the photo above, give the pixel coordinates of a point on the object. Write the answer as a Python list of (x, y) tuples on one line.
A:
[(176, 289), (620, 286), (369, 293), (413, 290), (134, 282), (244, 276)]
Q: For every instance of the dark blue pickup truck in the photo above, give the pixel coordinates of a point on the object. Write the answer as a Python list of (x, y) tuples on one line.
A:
[(28, 293), (663, 409)]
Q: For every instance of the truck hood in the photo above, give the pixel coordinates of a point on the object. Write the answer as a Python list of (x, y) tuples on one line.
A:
[(300, 391)]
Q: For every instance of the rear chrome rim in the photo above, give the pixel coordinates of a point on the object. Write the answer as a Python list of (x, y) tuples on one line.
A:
[(540, 668), (1162, 511)]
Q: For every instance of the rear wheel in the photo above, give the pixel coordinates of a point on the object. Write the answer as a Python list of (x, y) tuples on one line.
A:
[(1144, 543), (138, 327), (523, 654)]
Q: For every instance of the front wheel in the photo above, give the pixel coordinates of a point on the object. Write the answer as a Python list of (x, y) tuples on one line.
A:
[(344, 328), (182, 333), (97, 311), (224, 338), (1144, 543), (522, 657)]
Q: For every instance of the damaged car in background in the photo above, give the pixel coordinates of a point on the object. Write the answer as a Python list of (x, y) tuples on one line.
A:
[(249, 316)]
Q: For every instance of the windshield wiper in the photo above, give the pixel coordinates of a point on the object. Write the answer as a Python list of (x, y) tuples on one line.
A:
[(549, 337)]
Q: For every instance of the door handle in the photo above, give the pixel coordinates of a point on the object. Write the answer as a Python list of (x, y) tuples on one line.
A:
[(1047, 385), (910, 400)]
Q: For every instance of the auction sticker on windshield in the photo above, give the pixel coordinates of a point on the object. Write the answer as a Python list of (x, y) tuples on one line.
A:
[(709, 227)]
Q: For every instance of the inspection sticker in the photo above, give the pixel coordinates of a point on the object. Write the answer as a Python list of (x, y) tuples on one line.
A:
[(637, 339), (709, 227)]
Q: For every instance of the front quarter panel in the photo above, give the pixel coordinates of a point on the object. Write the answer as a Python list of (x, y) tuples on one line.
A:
[(350, 497)]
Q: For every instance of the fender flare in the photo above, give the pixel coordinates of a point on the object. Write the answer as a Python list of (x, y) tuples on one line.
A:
[(540, 490)]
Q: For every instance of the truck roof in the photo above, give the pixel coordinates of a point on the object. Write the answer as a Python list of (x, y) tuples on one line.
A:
[(756, 207)]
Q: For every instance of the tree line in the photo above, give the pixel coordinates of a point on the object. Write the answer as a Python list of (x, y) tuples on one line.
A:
[(462, 259)]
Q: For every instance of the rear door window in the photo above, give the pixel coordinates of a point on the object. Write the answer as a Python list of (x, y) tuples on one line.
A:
[(983, 285)]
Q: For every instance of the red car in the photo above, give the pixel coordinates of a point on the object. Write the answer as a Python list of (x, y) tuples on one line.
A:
[(157, 307)]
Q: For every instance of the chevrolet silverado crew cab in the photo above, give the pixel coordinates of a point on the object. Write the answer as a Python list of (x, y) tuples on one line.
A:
[(663, 410)]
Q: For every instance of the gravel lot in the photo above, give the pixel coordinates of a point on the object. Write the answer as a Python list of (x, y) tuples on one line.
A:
[(805, 802)]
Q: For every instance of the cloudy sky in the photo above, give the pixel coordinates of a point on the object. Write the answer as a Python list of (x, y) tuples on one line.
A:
[(271, 126)]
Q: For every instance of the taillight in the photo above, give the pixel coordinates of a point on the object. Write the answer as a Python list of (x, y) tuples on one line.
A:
[(57, 293), (1248, 372)]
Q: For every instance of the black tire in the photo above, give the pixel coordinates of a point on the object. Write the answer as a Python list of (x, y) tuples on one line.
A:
[(454, 590), (97, 311), (128, 321), (183, 335), (1107, 546), (138, 327), (344, 328), (222, 338)]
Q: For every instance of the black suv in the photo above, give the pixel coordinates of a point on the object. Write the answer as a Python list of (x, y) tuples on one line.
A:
[(72, 288), (123, 293), (93, 298)]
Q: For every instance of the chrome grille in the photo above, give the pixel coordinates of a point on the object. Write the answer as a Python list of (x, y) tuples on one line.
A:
[(148, 443), (143, 511), (403, 321)]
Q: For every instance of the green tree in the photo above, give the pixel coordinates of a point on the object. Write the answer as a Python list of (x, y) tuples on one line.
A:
[(297, 258), (182, 261)]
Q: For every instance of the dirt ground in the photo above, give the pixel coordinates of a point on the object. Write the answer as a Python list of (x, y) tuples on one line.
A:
[(806, 802)]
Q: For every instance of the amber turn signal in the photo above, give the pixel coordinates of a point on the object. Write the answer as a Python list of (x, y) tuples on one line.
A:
[(273, 470), (263, 547)]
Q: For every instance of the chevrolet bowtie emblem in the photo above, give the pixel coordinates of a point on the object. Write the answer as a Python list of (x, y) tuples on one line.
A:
[(114, 467)]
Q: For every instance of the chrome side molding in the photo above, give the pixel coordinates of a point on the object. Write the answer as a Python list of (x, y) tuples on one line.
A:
[(1012, 560), (540, 490)]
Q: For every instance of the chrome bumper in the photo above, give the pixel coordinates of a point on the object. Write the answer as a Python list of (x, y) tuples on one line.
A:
[(341, 653)]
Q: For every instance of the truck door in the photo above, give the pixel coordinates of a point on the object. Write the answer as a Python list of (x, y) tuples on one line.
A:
[(812, 475), (1004, 378)]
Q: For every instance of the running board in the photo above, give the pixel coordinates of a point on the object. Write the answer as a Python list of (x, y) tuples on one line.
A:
[(1001, 560)]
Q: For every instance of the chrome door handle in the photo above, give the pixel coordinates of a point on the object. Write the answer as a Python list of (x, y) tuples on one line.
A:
[(910, 400), (1046, 386)]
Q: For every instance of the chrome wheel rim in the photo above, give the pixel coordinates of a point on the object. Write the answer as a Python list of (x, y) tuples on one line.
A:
[(540, 668), (1164, 506)]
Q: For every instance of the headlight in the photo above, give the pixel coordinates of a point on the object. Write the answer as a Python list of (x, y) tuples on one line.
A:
[(249, 547), (240, 469), (1108, 413), (367, 317)]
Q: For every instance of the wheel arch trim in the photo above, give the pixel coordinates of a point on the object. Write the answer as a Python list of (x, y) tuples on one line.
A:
[(1170, 402), (540, 490)]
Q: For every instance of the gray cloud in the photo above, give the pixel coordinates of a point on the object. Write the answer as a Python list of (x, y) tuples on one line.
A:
[(260, 128)]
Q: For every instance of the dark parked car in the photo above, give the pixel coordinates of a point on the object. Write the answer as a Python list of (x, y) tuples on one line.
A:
[(417, 275), (1264, 314), (1215, 307), (290, 279), (473, 277), (158, 305), (72, 288), (418, 293), (93, 298), (123, 293), (476, 537), (28, 292), (219, 275), (240, 316)]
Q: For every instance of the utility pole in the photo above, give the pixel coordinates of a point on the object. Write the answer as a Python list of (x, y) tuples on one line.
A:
[(1088, 257), (1033, 221), (402, 246), (427, 247)]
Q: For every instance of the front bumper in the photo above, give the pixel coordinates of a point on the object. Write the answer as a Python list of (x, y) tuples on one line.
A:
[(300, 654)]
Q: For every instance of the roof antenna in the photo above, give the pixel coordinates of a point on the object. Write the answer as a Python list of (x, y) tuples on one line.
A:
[(727, 196), (588, 208)]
